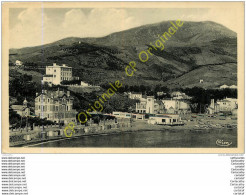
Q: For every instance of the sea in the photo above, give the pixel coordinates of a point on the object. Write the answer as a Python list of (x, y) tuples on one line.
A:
[(218, 138)]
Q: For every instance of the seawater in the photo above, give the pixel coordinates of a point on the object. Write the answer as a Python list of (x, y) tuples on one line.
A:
[(150, 139)]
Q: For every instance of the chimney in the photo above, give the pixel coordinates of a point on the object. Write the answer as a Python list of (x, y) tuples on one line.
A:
[(54, 64), (36, 94), (68, 93)]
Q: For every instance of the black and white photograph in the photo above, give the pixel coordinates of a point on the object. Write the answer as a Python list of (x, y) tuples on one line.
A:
[(124, 77)]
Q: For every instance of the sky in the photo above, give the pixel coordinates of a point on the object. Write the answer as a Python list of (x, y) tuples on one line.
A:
[(32, 27)]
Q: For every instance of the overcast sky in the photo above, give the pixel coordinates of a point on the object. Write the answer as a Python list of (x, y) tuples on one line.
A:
[(31, 27)]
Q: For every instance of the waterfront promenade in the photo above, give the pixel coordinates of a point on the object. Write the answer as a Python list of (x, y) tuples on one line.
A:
[(201, 125)]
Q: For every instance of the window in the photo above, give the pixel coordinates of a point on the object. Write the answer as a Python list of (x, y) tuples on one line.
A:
[(54, 75), (55, 70), (163, 120), (48, 100), (48, 116), (39, 107), (39, 99), (174, 120)]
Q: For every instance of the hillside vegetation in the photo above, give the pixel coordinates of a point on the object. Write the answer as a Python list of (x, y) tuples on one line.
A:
[(198, 50)]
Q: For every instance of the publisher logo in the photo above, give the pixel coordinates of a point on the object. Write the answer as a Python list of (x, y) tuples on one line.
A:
[(221, 142)]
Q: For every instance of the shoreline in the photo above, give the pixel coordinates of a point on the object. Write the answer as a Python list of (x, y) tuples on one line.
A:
[(136, 127)]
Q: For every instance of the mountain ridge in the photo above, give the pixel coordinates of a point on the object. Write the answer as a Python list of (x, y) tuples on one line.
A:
[(193, 45)]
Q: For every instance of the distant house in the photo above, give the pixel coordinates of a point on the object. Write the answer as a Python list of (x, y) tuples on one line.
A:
[(176, 106), (226, 86), (165, 119), (233, 87), (22, 110), (201, 81), (18, 63), (84, 84), (135, 95), (224, 105), (122, 115), (179, 96)]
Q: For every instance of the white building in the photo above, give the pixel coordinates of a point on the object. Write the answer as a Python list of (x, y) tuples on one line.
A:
[(56, 74), (149, 105), (175, 106), (224, 105), (122, 115), (135, 95), (179, 96), (226, 86), (18, 63), (163, 119), (233, 87)]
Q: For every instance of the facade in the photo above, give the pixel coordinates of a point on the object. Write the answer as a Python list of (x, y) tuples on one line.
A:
[(122, 115), (227, 104), (164, 119), (224, 105), (138, 116), (149, 105), (170, 106), (56, 106), (56, 74), (176, 106)]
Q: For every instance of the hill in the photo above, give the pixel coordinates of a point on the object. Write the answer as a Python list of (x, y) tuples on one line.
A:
[(188, 53)]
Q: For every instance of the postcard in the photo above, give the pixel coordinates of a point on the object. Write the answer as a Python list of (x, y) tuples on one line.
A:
[(123, 77)]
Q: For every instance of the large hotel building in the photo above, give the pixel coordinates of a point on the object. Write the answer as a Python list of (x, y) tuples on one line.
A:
[(56, 106), (56, 74)]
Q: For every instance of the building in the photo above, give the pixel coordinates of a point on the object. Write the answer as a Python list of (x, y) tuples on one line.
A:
[(18, 63), (138, 116), (122, 115), (224, 105), (233, 87), (176, 106), (226, 86), (227, 104), (169, 106), (56, 74), (180, 96), (164, 119), (149, 105), (56, 106), (22, 110), (84, 84), (137, 96)]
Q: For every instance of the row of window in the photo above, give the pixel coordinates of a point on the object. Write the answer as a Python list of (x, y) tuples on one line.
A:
[(42, 108), (66, 73), (65, 78), (48, 100)]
